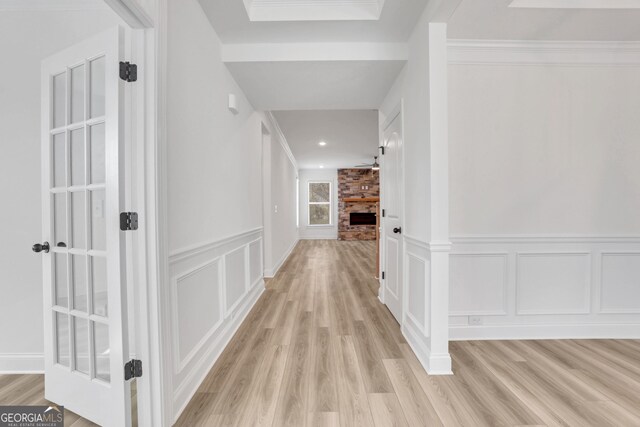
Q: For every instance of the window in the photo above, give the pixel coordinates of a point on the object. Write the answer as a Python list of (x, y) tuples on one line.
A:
[(319, 203)]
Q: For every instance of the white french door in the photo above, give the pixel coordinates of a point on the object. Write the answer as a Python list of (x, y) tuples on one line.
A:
[(392, 221), (85, 312)]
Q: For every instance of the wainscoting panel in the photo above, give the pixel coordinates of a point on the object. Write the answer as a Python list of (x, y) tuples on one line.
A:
[(620, 292), (255, 262), (213, 287), (196, 315), (553, 283), (536, 287), (416, 295), (417, 279), (478, 284), (235, 278)]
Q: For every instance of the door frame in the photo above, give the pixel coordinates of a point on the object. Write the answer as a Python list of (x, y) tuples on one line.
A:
[(146, 248), (397, 111)]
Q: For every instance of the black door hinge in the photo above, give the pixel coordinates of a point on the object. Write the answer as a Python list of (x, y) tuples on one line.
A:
[(383, 213), (383, 275), (132, 369), (128, 71), (381, 149), (128, 221)]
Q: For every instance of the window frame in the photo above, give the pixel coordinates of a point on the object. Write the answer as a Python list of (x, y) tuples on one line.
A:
[(330, 203)]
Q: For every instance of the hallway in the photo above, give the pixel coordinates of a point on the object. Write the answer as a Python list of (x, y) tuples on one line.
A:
[(319, 348)]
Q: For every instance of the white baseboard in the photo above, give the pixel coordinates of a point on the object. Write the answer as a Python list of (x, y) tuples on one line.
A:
[(189, 386), (271, 272), (539, 332), (434, 364), (25, 363)]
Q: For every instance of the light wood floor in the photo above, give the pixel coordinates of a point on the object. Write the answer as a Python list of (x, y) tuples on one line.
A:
[(29, 390), (319, 349)]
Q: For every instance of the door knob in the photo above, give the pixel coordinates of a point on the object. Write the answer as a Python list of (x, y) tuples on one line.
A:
[(397, 230), (41, 247)]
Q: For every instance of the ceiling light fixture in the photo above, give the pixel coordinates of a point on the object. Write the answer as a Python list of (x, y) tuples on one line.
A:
[(322, 143), (321, 166)]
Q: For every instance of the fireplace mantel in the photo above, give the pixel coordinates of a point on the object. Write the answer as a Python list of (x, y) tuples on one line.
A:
[(361, 199)]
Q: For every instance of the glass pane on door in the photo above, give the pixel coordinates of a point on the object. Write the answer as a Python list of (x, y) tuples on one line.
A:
[(99, 286), (81, 341), (97, 154), (97, 87), (59, 160), (60, 280), (101, 351), (77, 157), (98, 224), (78, 211), (60, 219), (77, 94), (62, 338), (79, 267), (59, 101)]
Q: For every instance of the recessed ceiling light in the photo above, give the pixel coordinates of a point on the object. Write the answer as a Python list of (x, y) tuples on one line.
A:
[(321, 166), (322, 143)]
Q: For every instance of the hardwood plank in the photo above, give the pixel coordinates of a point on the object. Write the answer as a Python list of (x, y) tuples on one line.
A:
[(261, 404), (353, 401), (415, 405), (323, 419), (386, 410), (375, 376), (292, 406), (323, 394)]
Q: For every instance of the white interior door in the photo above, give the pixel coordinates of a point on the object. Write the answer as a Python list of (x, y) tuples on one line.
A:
[(392, 221), (85, 311)]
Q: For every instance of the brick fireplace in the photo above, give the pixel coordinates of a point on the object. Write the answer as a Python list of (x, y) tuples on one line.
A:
[(350, 186)]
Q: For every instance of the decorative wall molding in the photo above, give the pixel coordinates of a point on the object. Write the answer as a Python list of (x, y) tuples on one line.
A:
[(633, 283), (551, 238), (502, 296), (192, 380), (557, 286), (528, 52), (194, 250), (282, 139), (216, 275), (552, 271), (22, 363)]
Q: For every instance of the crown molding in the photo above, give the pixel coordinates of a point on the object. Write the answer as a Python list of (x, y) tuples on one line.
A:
[(51, 5), (283, 140), (529, 52)]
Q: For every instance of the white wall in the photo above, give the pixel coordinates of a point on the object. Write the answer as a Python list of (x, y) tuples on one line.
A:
[(215, 201), (25, 39), (544, 201), (420, 88), (283, 227), (315, 231)]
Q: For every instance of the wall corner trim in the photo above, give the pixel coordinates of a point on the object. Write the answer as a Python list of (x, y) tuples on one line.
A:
[(433, 363)]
